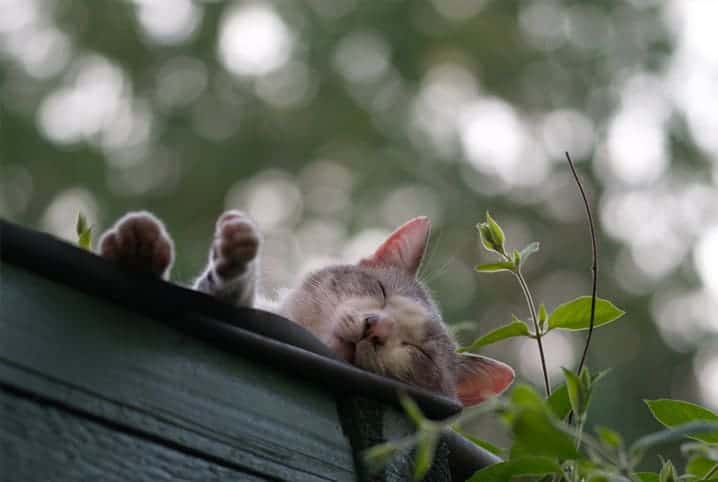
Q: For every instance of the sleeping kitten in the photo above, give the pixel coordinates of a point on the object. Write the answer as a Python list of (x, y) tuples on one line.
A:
[(374, 314)]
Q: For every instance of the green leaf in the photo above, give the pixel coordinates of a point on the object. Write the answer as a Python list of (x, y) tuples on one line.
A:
[(516, 258), (586, 380), (558, 401), (81, 224), (485, 236), (690, 429), (609, 438), (676, 412), (412, 409), (425, 450), (513, 329), (492, 236), (484, 444), (494, 267), (542, 316), (524, 396), (668, 473), (84, 232), (518, 467), (497, 234), (535, 433), (576, 314), (378, 456), (85, 240), (605, 476), (647, 476), (576, 397), (530, 249), (699, 466)]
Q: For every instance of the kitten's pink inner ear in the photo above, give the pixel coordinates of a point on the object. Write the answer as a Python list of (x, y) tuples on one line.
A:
[(479, 377), (404, 248)]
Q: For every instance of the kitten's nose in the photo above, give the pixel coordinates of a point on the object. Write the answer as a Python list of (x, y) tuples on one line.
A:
[(377, 329)]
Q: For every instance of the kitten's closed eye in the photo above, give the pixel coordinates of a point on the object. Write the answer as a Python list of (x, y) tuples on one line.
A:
[(383, 291)]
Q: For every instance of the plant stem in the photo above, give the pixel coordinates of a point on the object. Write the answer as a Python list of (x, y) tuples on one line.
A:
[(579, 431), (710, 473), (534, 318), (594, 266)]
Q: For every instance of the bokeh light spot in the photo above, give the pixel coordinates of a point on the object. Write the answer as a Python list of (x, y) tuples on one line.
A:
[(254, 40)]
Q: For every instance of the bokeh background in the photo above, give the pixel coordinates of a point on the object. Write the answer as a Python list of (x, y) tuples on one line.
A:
[(333, 121)]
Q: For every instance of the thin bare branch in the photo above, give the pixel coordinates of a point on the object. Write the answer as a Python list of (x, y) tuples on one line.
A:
[(594, 266)]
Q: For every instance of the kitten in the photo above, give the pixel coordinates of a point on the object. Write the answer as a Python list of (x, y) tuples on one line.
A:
[(374, 314)]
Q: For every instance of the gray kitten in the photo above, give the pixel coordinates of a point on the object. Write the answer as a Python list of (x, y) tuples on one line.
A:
[(374, 314)]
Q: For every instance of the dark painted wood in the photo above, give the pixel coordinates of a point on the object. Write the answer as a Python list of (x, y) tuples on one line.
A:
[(101, 359), (41, 443), (368, 423)]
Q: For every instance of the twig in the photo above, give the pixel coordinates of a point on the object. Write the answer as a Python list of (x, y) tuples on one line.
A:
[(710, 473), (532, 308), (594, 266)]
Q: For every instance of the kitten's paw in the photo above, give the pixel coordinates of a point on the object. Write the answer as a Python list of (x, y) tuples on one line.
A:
[(139, 241), (236, 244)]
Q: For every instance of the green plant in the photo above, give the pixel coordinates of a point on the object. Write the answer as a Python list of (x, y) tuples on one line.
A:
[(84, 232), (550, 440)]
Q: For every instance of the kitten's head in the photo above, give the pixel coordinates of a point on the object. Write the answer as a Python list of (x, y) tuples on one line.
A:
[(385, 321)]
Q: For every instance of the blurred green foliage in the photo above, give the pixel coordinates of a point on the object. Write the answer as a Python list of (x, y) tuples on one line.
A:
[(329, 119)]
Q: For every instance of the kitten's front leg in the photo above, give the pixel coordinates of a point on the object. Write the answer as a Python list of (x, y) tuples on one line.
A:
[(231, 274)]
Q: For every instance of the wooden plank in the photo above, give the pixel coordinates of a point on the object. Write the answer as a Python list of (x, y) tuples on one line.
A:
[(369, 423), (42, 443), (111, 362)]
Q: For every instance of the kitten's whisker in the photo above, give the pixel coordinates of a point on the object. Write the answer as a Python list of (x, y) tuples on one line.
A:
[(430, 254), (439, 271)]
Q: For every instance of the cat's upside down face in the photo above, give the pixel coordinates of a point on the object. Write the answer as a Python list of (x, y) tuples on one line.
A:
[(378, 316)]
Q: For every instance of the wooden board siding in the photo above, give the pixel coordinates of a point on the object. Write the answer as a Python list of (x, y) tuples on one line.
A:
[(42, 442), (98, 358)]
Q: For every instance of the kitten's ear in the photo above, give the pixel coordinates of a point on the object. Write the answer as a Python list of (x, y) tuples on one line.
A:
[(479, 377), (404, 248)]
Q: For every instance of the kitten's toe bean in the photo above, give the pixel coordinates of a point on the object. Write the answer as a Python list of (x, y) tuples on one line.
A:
[(161, 257), (108, 246), (236, 243), (139, 242)]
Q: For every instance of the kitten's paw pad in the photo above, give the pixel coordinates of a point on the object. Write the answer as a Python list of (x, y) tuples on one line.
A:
[(139, 242), (236, 243)]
